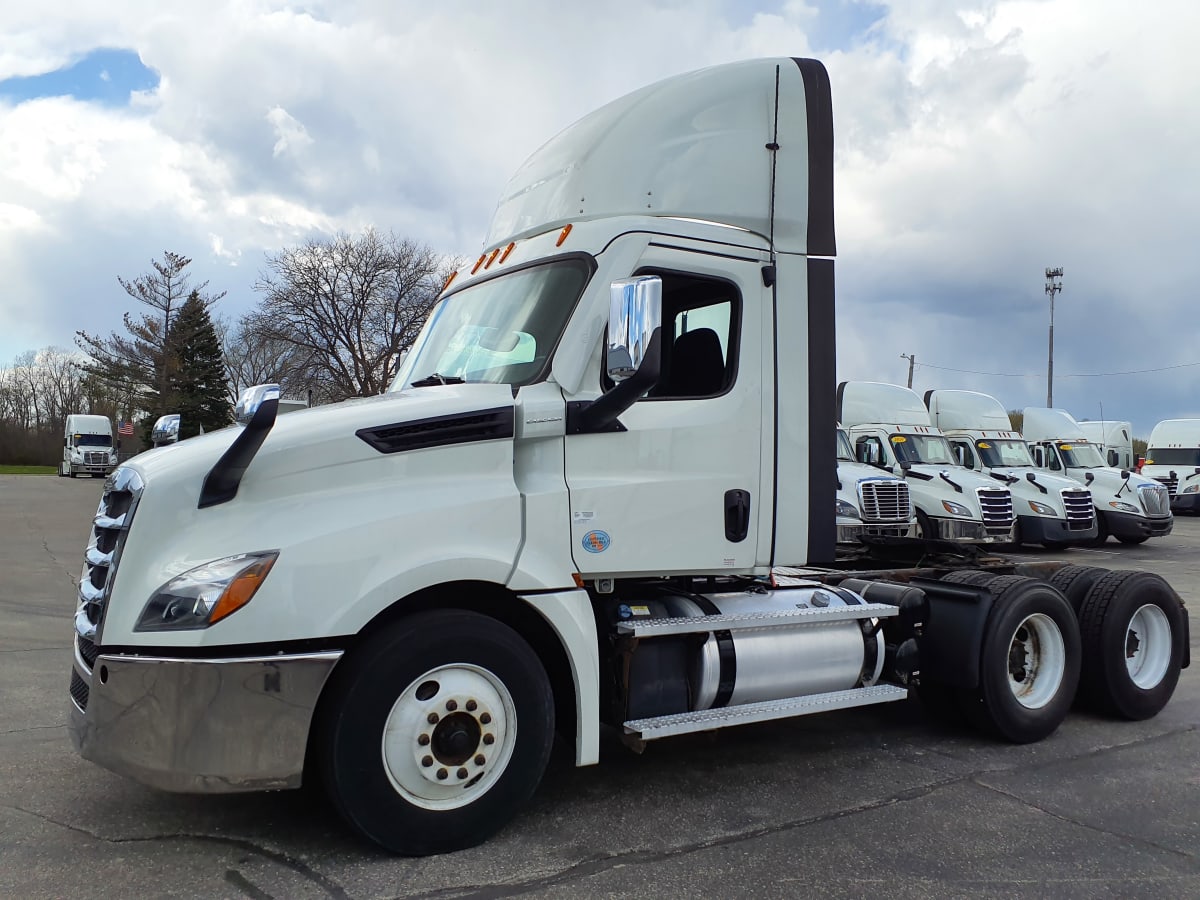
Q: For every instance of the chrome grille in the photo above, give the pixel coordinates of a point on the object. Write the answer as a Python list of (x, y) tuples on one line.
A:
[(95, 458), (1155, 498), (884, 500), (79, 690), (997, 507), (109, 528), (1171, 482), (1080, 511)]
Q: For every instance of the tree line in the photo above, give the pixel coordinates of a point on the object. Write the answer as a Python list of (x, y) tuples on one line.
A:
[(333, 317)]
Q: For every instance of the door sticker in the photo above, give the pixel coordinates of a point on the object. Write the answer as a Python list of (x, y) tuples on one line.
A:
[(596, 541)]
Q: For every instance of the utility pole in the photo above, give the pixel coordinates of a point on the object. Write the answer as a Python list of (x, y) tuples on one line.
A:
[(1053, 286), (912, 361)]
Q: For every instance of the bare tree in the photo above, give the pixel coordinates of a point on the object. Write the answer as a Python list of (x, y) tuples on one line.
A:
[(349, 306), (253, 356)]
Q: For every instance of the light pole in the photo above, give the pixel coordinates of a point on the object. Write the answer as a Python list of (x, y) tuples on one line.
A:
[(1053, 286), (912, 361)]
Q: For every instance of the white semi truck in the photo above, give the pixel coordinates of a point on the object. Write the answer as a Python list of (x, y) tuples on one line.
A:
[(1173, 460), (891, 429), (1114, 440), (624, 515), (1130, 507), (87, 446), (1051, 510), (870, 503)]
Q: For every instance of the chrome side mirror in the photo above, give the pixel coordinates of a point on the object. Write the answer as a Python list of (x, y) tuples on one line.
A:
[(251, 399), (634, 314), (165, 430)]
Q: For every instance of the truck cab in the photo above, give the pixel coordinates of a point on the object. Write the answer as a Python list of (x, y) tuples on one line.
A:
[(1173, 460), (87, 447), (1114, 440), (1132, 508), (892, 430), (869, 502), (1051, 510)]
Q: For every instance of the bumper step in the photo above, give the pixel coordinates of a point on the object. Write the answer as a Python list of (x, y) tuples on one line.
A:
[(741, 622), (766, 711)]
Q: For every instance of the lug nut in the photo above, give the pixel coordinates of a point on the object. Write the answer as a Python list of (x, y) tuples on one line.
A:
[(451, 705), (423, 740), (479, 759), (489, 739), (432, 718), (427, 761), (472, 706), (441, 774), (486, 718), (462, 773)]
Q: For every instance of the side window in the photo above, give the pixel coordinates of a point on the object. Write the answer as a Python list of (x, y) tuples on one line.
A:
[(1052, 462), (962, 454), (699, 334)]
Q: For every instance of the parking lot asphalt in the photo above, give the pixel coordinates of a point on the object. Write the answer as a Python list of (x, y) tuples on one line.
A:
[(875, 802)]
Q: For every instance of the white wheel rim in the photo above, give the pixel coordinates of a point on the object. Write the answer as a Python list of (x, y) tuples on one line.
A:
[(1037, 661), (457, 757), (1148, 646)]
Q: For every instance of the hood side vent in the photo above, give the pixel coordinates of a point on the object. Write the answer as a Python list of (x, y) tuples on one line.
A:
[(440, 431)]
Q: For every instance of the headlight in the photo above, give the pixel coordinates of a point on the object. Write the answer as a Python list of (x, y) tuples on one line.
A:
[(1191, 489), (206, 594), (1123, 506), (1042, 509), (956, 509), (847, 510)]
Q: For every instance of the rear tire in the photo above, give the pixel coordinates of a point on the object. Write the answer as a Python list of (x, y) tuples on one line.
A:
[(1075, 582), (1029, 668), (1132, 627), (436, 732)]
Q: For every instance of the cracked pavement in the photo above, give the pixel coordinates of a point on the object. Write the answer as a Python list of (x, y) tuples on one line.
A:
[(875, 802)]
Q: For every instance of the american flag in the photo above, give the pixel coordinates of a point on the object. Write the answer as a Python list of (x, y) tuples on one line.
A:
[(125, 428)]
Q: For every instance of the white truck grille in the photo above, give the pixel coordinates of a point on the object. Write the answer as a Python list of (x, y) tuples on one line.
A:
[(997, 508), (1156, 498), (1171, 482), (1080, 511), (884, 500)]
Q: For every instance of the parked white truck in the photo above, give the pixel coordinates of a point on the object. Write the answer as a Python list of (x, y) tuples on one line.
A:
[(1130, 507), (403, 597), (1173, 460), (891, 429), (1114, 440), (870, 503), (87, 446), (1051, 510)]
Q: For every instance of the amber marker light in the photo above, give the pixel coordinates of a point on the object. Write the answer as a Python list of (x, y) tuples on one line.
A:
[(241, 589), (453, 275), (562, 235), (507, 250), (478, 263), (492, 258)]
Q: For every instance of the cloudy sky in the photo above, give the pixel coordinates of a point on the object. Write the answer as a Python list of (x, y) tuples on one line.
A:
[(977, 143)]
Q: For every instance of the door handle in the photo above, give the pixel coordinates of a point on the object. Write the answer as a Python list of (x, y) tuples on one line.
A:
[(737, 515)]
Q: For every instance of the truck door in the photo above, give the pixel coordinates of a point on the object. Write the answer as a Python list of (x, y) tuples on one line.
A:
[(681, 487)]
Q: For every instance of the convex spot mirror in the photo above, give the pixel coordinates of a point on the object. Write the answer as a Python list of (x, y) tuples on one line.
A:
[(634, 314)]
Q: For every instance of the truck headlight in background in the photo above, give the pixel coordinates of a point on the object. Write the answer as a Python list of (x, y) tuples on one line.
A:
[(956, 509), (1123, 506), (1190, 489), (1042, 509), (202, 596), (849, 511)]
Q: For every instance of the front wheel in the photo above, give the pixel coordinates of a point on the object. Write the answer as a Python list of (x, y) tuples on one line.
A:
[(1131, 539), (436, 732), (1133, 631), (1029, 669)]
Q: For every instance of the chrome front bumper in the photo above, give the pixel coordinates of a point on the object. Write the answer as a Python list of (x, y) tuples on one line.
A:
[(850, 534), (971, 531), (199, 725)]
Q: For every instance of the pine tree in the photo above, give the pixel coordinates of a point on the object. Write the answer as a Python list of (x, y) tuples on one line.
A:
[(197, 386)]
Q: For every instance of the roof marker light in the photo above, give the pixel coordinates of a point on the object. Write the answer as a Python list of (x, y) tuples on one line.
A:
[(492, 258), (478, 263), (562, 235), (453, 275), (507, 250)]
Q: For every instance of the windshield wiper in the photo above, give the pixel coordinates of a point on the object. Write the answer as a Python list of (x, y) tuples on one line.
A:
[(435, 379)]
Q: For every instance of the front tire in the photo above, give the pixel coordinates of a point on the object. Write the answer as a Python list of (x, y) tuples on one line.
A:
[(1132, 539), (436, 732), (1132, 625), (1030, 663)]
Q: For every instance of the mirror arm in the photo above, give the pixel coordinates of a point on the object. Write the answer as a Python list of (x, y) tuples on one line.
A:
[(591, 416)]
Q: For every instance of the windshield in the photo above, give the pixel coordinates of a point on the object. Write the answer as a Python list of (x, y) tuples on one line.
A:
[(1003, 453), (93, 440), (845, 451), (922, 448), (1081, 456), (500, 331), (1173, 456)]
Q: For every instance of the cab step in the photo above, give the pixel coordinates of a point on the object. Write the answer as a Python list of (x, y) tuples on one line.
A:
[(743, 621), (766, 711)]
